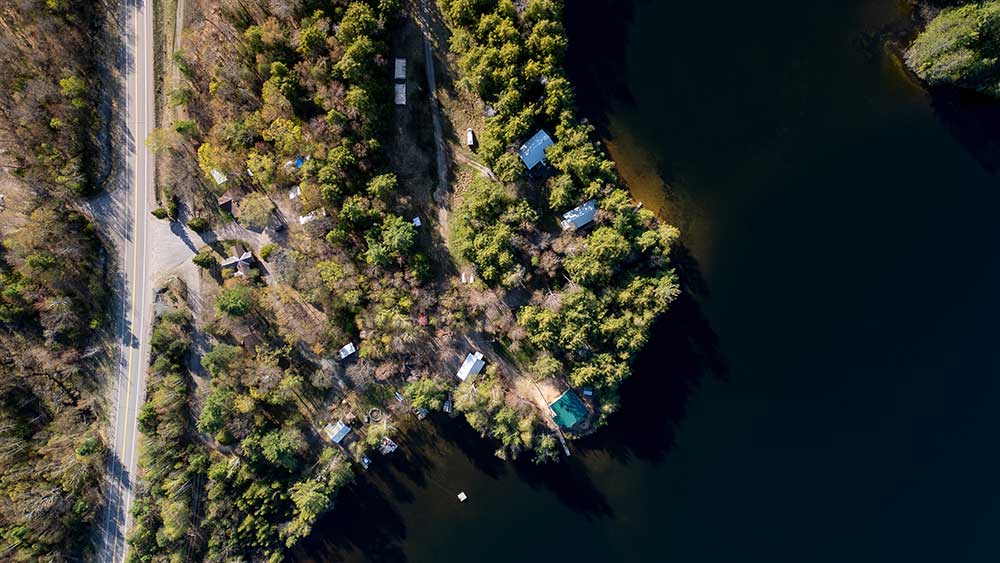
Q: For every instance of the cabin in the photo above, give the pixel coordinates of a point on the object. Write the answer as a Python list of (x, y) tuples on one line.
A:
[(532, 153), (227, 202), (472, 366), (337, 432), (579, 217), (347, 350), (399, 94), (568, 410), (399, 69), (241, 257)]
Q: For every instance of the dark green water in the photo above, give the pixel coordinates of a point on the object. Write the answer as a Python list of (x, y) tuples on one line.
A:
[(831, 393)]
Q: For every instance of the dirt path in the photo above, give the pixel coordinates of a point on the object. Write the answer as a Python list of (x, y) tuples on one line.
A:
[(441, 193)]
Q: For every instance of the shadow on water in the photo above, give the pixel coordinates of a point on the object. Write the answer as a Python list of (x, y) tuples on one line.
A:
[(973, 120), (597, 68), (362, 521), (682, 351)]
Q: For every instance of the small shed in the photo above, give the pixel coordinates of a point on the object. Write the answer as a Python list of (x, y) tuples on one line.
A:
[(580, 217), (337, 432), (472, 366), (470, 137), (399, 72), (219, 177), (533, 152), (306, 219), (225, 202), (400, 94), (568, 410), (347, 350)]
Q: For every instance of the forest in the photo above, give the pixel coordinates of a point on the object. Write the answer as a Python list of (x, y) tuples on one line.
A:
[(960, 47), (54, 274), (238, 469)]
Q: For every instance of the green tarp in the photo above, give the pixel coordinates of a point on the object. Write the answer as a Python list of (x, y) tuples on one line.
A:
[(568, 410)]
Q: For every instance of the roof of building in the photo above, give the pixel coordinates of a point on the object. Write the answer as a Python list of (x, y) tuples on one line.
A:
[(246, 256), (337, 432), (568, 410), (533, 151), (399, 71), (219, 177), (473, 365), (347, 350), (581, 216), (399, 94)]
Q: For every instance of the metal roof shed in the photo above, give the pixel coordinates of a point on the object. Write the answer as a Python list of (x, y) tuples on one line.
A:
[(533, 151), (473, 365), (337, 432), (347, 350), (581, 216)]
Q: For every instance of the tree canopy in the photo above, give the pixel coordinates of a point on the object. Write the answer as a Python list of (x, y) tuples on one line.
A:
[(960, 47)]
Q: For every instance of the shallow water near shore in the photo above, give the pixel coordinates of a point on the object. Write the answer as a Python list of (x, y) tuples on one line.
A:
[(829, 391)]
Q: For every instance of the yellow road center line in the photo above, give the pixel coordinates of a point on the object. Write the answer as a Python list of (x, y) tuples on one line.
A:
[(145, 168)]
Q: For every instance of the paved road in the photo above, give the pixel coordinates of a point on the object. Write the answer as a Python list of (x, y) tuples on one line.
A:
[(136, 313)]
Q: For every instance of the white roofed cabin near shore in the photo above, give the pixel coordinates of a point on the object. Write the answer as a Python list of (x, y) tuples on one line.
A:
[(579, 217), (472, 366)]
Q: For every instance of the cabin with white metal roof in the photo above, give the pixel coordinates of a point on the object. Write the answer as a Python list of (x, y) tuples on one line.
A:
[(580, 217), (347, 350), (337, 432), (472, 366)]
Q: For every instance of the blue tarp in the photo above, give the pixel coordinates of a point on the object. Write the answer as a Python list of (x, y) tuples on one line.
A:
[(533, 151)]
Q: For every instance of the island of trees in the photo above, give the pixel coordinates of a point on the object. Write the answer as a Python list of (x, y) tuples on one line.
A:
[(960, 47)]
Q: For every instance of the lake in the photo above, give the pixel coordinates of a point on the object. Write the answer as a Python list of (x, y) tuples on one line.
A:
[(828, 391)]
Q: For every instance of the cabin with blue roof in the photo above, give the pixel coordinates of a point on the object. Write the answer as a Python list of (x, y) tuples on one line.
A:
[(533, 152)]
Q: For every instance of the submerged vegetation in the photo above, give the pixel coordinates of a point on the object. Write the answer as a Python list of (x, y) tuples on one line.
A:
[(960, 47)]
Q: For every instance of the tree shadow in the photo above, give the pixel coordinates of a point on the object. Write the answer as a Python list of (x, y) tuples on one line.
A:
[(570, 482), (973, 119), (597, 69), (683, 349), (363, 521)]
